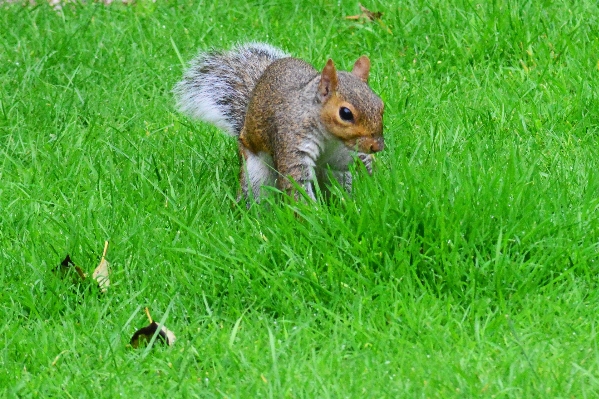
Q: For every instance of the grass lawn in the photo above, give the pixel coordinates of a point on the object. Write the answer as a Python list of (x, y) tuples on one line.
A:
[(466, 266)]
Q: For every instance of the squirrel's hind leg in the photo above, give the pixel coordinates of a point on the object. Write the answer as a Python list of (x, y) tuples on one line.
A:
[(256, 171)]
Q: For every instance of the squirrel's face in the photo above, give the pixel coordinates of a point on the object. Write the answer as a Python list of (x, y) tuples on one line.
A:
[(359, 128), (351, 111)]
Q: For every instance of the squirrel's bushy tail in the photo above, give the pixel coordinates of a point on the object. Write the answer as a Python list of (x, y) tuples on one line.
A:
[(218, 84)]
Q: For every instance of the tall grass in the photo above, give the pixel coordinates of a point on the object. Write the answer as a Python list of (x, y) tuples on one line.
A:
[(466, 266)]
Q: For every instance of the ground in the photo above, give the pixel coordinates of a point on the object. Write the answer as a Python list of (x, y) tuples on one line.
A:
[(466, 266)]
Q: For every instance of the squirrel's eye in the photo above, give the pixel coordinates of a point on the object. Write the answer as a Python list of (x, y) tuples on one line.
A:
[(346, 114)]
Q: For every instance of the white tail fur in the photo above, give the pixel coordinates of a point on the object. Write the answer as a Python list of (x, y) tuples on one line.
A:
[(216, 88)]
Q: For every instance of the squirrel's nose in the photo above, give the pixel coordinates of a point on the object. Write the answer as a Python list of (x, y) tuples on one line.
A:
[(377, 145)]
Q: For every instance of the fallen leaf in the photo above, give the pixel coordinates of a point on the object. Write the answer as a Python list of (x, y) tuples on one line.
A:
[(67, 266), (366, 14), (370, 14), (101, 273), (145, 334)]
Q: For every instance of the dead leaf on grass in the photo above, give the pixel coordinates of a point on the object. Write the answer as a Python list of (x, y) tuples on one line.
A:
[(366, 14), (145, 334), (101, 273), (68, 268)]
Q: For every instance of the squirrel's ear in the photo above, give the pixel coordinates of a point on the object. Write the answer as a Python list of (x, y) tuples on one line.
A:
[(328, 81), (362, 68)]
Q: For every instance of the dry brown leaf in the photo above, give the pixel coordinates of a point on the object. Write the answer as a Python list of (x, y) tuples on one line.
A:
[(366, 14), (145, 334), (371, 15), (69, 270), (67, 267), (102, 272)]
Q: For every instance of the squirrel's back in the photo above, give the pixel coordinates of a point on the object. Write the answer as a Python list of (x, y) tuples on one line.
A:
[(282, 86), (218, 84)]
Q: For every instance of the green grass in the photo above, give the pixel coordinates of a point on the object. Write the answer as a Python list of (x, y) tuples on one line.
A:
[(467, 266)]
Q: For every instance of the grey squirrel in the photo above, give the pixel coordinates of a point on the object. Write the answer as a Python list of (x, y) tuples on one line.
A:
[(294, 125)]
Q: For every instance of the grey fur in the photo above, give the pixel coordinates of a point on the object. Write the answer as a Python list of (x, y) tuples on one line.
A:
[(218, 84), (284, 120), (277, 107)]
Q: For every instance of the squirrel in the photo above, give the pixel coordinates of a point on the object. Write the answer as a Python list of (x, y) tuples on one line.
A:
[(295, 126)]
